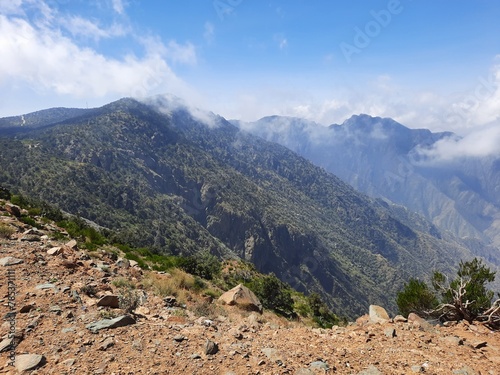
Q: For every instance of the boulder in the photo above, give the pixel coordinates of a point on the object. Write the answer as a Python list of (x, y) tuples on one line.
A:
[(109, 301), (13, 209), (26, 362), (120, 321), (378, 314), (243, 297)]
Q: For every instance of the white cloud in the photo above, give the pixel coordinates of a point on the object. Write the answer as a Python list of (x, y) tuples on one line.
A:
[(79, 26), (118, 6), (281, 40), (480, 143), (41, 57)]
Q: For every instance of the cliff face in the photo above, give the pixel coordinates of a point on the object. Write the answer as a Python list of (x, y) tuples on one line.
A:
[(182, 182)]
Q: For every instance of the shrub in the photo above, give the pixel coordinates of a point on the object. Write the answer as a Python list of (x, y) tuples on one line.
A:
[(273, 294), (6, 231), (416, 298), (203, 265), (321, 313)]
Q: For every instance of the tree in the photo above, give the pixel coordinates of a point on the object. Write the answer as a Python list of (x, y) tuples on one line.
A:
[(465, 297), (416, 297)]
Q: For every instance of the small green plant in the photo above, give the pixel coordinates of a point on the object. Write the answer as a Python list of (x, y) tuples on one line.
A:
[(416, 297), (122, 282), (6, 231), (89, 290)]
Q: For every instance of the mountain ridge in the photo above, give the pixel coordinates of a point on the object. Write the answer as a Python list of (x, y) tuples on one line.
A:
[(167, 180)]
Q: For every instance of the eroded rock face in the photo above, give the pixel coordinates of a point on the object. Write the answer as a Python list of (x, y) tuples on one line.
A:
[(243, 297)]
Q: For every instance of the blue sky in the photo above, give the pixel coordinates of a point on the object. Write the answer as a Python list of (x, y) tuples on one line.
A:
[(431, 64)]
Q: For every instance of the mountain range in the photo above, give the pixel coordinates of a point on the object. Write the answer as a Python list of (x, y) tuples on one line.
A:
[(181, 181), (384, 159)]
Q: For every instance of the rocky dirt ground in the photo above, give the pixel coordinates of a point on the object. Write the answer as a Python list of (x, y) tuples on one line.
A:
[(54, 319)]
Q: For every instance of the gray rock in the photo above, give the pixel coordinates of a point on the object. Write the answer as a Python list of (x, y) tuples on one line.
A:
[(320, 365), (45, 286), (417, 368), (464, 371), (390, 332), (109, 301), (121, 321), (211, 347), (122, 263), (10, 261), (195, 356), (179, 338), (25, 362)]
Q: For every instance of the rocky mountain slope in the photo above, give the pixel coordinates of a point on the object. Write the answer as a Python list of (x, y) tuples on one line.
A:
[(180, 181), (383, 158), (67, 321)]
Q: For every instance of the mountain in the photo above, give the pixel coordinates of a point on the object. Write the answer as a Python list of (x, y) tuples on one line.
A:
[(183, 181), (385, 159)]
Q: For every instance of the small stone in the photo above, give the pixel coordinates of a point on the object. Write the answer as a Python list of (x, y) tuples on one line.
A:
[(417, 368), (179, 338), (211, 347), (73, 245), (370, 370), (25, 362), (10, 261), (123, 263), (195, 356), (400, 319), (54, 251), (170, 301), (30, 238), (320, 365), (45, 286), (304, 371), (390, 332), (479, 344), (26, 309), (69, 362), (107, 343)]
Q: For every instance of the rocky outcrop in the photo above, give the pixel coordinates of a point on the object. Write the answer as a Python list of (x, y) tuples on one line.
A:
[(242, 297)]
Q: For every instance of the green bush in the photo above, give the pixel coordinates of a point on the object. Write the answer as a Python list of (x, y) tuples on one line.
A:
[(416, 297), (273, 294), (203, 265), (321, 314)]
